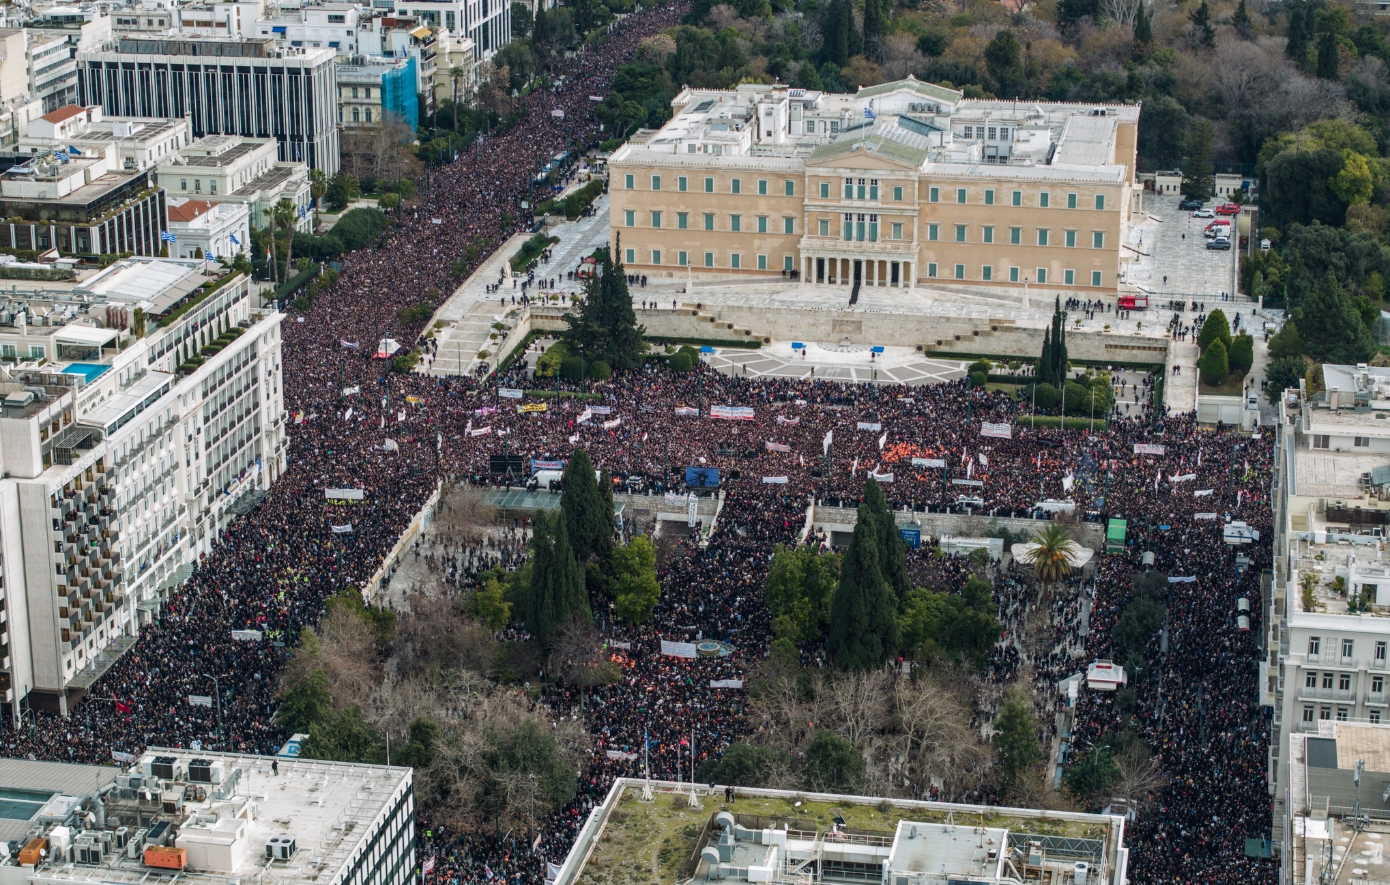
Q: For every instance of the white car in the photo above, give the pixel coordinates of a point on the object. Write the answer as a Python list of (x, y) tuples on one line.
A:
[(1204, 213)]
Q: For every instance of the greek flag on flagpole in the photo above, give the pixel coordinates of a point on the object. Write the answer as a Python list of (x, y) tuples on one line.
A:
[(167, 237), (869, 114), (301, 211), (235, 241)]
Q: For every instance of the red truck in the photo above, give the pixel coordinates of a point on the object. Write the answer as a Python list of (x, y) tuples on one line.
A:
[(1134, 302)]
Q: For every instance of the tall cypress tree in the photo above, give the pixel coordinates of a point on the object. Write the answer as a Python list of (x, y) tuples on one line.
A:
[(836, 25), (1143, 28), (1059, 344), (1328, 60), (1298, 31), (892, 550), (606, 326), (541, 615), (567, 577), (863, 614), (590, 529), (1044, 373), (875, 25)]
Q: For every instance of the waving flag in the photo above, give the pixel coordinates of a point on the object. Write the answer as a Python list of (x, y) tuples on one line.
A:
[(122, 708), (235, 241), (167, 237)]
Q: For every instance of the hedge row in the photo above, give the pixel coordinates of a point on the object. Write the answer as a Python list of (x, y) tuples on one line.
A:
[(1056, 421), (1001, 358)]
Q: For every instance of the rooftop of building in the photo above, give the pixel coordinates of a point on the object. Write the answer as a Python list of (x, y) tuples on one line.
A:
[(223, 809), (189, 210), (1324, 792), (909, 122), (214, 46), (225, 152), (270, 179), (767, 835)]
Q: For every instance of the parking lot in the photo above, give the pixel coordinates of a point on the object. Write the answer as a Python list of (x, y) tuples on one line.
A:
[(1169, 257)]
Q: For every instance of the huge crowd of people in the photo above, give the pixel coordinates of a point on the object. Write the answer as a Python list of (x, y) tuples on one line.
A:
[(273, 569)]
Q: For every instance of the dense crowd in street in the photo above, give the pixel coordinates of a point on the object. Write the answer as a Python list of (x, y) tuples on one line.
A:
[(273, 570)]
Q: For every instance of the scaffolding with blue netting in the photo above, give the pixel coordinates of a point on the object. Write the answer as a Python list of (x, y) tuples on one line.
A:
[(398, 94)]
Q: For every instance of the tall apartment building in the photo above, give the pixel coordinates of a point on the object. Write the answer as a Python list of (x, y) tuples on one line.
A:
[(56, 34), (1328, 645), (249, 87), (900, 184), (331, 25), (124, 454), (17, 106), (488, 23)]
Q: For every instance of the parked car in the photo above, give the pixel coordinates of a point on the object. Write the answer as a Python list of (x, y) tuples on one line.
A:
[(1220, 243), (1204, 213), (1190, 203), (1219, 228), (1228, 209)]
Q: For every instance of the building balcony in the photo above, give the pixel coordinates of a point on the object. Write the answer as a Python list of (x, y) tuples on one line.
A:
[(1326, 694), (1377, 698)]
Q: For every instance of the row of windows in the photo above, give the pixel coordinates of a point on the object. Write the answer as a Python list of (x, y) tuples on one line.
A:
[(1043, 236), (760, 262), (762, 222), (1348, 648), (1324, 440), (1343, 714), (1015, 275), (1310, 680), (864, 189), (735, 185), (1015, 198)]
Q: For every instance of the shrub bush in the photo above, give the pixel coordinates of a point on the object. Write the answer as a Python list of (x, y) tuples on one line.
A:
[(681, 361), (599, 371), (1045, 395), (571, 368), (978, 379), (1241, 356), (1215, 365)]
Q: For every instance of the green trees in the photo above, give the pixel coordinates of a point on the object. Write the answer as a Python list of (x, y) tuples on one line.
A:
[(1004, 60), (490, 604), (1300, 27), (892, 550), (863, 626), (1241, 355), (1052, 363), (1015, 739), (1201, 23), (606, 328), (1140, 621), (1052, 560), (841, 39), (1354, 183), (800, 584), (950, 625), (833, 764), (342, 190), (589, 523), (1216, 327), (1215, 364), (1143, 27), (875, 25), (556, 592), (1282, 373), (1330, 326), (743, 765), (1328, 61), (1199, 173), (1296, 188), (635, 588)]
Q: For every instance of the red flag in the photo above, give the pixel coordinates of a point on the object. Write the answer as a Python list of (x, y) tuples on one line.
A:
[(122, 708)]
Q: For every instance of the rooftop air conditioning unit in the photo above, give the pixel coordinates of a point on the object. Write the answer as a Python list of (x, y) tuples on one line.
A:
[(200, 771), (280, 848), (163, 767)]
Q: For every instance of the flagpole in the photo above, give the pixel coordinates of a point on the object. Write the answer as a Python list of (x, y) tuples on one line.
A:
[(694, 800), (646, 768)]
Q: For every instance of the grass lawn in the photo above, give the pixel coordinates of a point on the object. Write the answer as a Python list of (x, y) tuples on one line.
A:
[(648, 843), (1232, 386)]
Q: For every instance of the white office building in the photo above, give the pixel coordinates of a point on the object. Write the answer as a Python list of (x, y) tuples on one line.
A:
[(142, 409), (1328, 645), (284, 93)]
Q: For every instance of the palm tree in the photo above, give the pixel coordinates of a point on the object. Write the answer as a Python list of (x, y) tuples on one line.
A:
[(318, 186), (1052, 558), (457, 73), (282, 214)]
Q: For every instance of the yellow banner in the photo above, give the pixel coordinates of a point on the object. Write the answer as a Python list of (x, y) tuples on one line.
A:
[(531, 407), (412, 399)]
